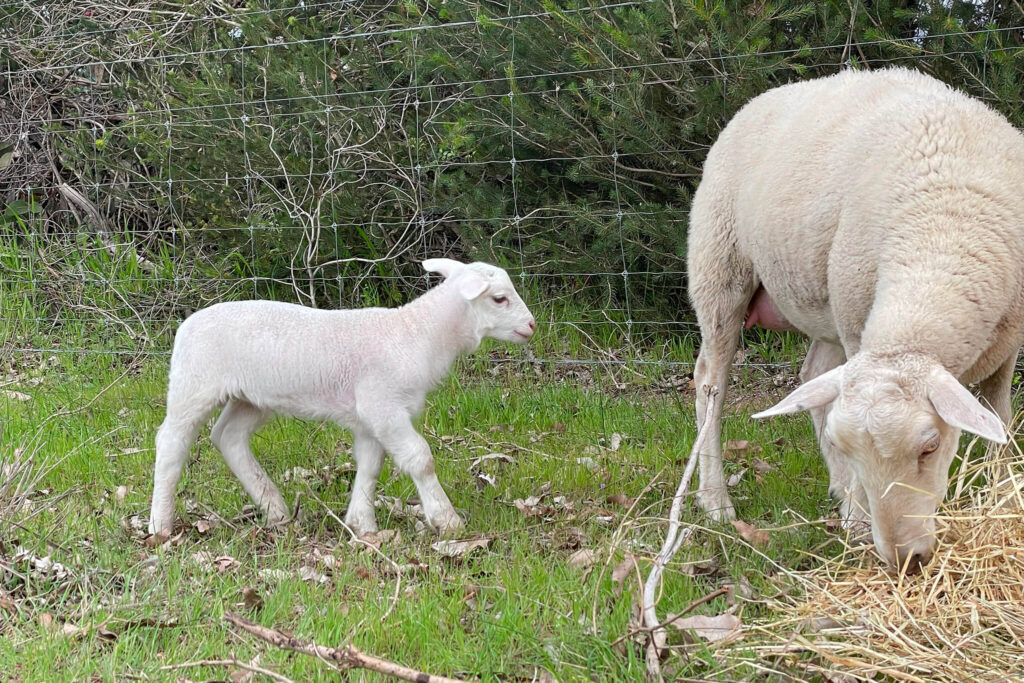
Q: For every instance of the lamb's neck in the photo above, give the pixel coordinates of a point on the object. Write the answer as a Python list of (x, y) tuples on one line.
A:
[(440, 328)]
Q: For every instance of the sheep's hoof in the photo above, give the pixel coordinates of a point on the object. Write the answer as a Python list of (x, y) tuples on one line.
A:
[(361, 525), (717, 506)]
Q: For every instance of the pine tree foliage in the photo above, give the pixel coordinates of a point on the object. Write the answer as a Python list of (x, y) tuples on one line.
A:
[(308, 142)]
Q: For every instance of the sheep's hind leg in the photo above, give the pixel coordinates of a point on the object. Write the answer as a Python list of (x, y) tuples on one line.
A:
[(237, 423), (369, 456), (412, 454), (173, 442)]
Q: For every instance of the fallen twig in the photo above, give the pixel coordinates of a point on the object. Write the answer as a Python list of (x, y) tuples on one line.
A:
[(658, 635), (344, 658), (229, 662), (686, 610)]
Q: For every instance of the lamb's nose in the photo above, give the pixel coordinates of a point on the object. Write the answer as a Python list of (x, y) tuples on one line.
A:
[(533, 325)]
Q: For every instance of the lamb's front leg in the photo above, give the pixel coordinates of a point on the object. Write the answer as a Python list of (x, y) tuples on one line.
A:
[(412, 455), (369, 457)]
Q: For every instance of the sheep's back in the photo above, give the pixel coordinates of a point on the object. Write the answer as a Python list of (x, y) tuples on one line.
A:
[(834, 180)]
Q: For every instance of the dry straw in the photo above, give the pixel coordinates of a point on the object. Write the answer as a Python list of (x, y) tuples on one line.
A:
[(961, 618)]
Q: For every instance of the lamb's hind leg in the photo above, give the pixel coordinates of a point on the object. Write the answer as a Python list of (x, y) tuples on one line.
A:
[(842, 482), (173, 442), (721, 285), (237, 423)]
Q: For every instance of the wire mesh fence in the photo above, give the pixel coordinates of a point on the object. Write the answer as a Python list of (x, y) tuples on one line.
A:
[(157, 157)]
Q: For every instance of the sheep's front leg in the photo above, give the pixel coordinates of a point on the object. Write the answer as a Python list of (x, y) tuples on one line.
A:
[(412, 455), (369, 456)]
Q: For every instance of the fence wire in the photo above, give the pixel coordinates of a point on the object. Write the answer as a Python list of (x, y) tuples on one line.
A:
[(342, 178)]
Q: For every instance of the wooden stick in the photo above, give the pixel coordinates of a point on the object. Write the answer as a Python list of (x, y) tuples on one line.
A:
[(673, 540), (343, 658), (229, 662)]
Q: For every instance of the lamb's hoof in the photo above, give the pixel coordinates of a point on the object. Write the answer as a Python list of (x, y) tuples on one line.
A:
[(448, 523), (717, 506), (164, 526), (279, 517)]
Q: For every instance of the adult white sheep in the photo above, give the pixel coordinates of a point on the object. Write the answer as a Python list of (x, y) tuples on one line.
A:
[(881, 214), (368, 370)]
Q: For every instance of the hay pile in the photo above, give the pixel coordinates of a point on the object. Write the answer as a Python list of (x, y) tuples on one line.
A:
[(961, 619)]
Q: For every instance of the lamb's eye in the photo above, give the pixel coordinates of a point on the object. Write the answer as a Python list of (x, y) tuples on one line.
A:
[(500, 299)]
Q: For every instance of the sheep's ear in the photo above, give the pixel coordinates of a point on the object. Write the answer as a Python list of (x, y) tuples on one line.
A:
[(443, 266), (471, 285), (958, 407), (818, 392)]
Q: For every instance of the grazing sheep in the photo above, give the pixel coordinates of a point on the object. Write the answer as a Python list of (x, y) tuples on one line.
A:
[(881, 214), (368, 370)]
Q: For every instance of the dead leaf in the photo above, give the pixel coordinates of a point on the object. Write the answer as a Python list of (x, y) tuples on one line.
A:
[(299, 474), (310, 574), (204, 525), (711, 629), (459, 548), (274, 574), (69, 629), (582, 559), (616, 442), (622, 571), (477, 462), (46, 620), (735, 478), (620, 499), (528, 506), (761, 466), (485, 479), (251, 598), (375, 538), (121, 493), (162, 539), (558, 427), (750, 533), (225, 562), (737, 445), (17, 395)]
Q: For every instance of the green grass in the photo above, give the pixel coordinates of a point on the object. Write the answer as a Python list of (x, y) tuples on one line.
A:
[(502, 612)]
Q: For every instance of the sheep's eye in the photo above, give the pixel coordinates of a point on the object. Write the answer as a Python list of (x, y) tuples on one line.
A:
[(928, 449), (500, 299)]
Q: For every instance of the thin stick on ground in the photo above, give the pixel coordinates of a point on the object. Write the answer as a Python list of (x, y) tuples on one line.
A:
[(344, 658), (673, 540), (273, 675)]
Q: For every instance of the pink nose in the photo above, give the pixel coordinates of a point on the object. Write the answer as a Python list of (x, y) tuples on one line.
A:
[(533, 325)]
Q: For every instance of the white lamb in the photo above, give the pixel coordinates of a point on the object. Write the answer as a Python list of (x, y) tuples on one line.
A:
[(368, 370), (882, 214)]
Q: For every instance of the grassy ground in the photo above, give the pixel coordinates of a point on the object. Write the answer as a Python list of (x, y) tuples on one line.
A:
[(604, 448)]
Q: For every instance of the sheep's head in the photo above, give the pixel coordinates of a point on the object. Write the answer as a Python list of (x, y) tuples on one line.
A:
[(496, 307), (898, 421)]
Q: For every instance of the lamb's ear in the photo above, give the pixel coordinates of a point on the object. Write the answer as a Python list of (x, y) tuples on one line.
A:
[(818, 392), (445, 267), (471, 285), (958, 407)]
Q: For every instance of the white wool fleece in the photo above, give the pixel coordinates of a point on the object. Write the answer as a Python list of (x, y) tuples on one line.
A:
[(368, 370), (881, 214)]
